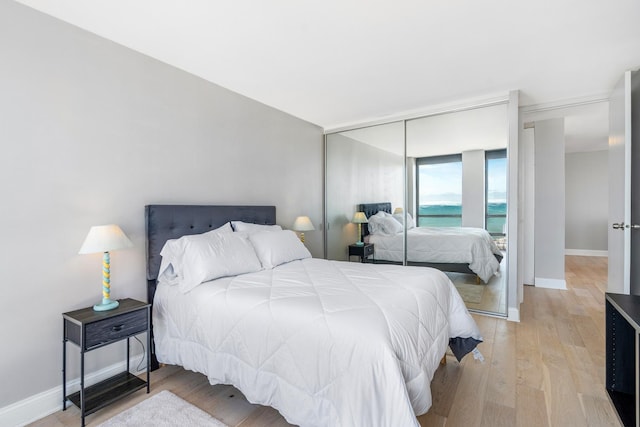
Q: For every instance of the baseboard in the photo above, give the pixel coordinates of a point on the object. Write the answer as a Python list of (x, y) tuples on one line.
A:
[(513, 314), (550, 283), (586, 252), (46, 403)]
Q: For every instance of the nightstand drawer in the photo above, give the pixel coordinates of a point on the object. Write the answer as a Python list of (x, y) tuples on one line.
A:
[(368, 250), (115, 328)]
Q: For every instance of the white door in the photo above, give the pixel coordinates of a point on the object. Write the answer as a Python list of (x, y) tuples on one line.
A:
[(619, 240)]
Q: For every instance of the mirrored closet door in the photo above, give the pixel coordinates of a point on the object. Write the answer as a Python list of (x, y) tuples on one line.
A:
[(458, 192), (445, 177), (363, 166)]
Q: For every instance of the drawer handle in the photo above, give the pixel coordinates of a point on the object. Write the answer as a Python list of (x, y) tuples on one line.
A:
[(117, 328)]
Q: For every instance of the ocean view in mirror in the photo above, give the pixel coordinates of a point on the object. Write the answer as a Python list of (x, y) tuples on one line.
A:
[(450, 215)]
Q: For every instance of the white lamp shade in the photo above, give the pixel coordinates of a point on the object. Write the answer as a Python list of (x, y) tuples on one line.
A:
[(397, 211), (303, 223), (104, 238), (359, 218)]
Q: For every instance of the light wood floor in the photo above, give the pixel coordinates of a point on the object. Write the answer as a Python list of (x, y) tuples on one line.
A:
[(547, 370)]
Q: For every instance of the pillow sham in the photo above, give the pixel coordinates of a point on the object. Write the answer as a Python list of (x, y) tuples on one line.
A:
[(219, 255), (174, 248), (384, 223), (247, 227), (279, 247)]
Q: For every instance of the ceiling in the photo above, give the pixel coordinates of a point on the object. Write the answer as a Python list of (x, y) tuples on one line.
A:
[(340, 62)]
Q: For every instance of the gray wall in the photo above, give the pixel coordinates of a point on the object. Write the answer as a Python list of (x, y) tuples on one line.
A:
[(587, 200), (549, 200), (90, 133)]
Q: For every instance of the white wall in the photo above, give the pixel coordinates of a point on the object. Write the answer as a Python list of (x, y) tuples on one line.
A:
[(473, 188), (90, 133), (587, 202), (549, 203)]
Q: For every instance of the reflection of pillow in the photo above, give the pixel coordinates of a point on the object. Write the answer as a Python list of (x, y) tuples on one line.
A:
[(275, 248), (248, 227), (411, 223), (374, 223), (384, 223), (220, 255), (173, 249)]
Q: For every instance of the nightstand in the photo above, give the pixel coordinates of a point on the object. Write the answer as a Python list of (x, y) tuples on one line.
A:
[(362, 251), (90, 330)]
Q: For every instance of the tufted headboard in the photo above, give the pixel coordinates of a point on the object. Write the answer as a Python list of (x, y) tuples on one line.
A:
[(372, 209), (164, 222)]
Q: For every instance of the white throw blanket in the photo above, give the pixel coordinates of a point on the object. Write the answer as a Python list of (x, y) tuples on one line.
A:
[(326, 343)]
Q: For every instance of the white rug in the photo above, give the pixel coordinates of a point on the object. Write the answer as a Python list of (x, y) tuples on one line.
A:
[(163, 409)]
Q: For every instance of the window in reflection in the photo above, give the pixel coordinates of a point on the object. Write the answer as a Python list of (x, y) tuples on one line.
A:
[(496, 187), (439, 189)]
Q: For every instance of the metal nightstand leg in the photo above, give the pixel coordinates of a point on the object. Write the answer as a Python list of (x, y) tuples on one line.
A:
[(82, 404), (64, 370)]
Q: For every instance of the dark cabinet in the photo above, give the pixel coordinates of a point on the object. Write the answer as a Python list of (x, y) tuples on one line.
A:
[(622, 347)]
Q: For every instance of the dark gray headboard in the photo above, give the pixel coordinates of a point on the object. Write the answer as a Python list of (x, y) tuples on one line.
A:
[(164, 222), (372, 209)]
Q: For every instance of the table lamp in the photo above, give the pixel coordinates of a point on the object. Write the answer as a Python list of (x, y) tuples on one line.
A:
[(105, 238), (397, 211), (359, 218), (302, 224)]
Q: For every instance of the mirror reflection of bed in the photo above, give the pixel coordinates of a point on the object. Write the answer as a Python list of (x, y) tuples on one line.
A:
[(470, 256), (388, 163)]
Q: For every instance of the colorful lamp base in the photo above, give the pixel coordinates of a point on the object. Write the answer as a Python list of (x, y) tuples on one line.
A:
[(106, 305)]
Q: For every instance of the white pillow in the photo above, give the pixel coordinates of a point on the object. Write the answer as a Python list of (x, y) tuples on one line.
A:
[(248, 227), (173, 249), (390, 225), (374, 224), (384, 223), (219, 255), (275, 248), (411, 223)]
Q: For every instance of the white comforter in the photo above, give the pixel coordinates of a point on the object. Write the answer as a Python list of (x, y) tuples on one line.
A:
[(327, 343), (473, 246)]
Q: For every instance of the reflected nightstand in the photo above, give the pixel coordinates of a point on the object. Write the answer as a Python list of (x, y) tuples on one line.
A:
[(364, 251)]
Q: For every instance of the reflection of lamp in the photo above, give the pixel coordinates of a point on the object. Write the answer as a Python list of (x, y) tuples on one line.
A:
[(397, 211), (105, 238), (302, 224), (359, 218)]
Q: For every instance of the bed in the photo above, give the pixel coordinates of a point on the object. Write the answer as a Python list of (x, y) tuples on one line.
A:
[(452, 249), (326, 343)]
